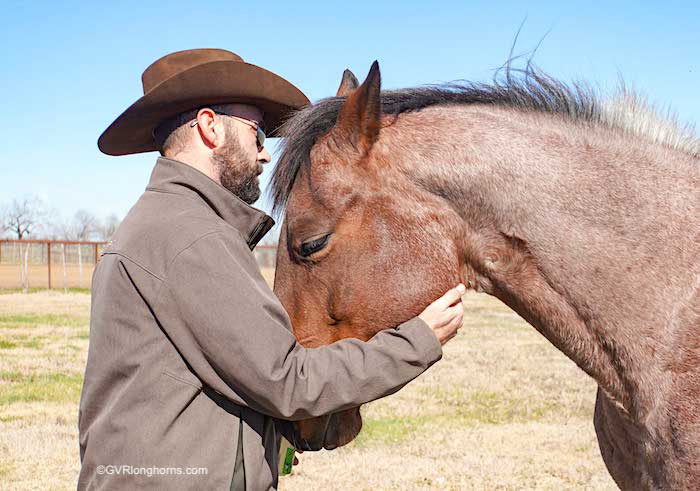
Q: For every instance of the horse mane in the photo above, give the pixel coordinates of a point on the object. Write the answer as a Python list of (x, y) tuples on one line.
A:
[(528, 89)]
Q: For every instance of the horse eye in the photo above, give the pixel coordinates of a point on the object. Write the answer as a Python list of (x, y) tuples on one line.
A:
[(308, 248)]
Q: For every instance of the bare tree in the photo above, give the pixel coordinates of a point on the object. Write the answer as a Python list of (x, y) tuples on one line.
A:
[(3, 221), (24, 216), (106, 229), (81, 228)]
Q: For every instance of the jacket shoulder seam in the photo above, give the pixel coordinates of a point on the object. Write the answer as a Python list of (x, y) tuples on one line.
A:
[(188, 246), (164, 282)]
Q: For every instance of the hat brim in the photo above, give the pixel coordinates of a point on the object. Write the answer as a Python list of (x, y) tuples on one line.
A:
[(216, 82)]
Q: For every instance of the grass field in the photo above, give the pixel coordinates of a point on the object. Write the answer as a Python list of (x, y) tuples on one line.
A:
[(502, 410)]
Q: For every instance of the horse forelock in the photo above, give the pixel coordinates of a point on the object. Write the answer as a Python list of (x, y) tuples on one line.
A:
[(528, 89), (300, 132)]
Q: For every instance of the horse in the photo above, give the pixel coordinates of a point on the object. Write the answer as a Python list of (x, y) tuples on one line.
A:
[(580, 213)]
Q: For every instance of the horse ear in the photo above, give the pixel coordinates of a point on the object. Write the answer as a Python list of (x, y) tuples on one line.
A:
[(359, 119), (348, 84)]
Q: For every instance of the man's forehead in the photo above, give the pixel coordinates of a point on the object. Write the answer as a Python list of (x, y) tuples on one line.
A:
[(242, 110)]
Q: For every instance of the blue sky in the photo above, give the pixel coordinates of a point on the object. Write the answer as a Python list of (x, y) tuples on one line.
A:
[(69, 68)]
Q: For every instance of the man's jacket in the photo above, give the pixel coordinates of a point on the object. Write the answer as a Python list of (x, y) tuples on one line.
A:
[(189, 346)]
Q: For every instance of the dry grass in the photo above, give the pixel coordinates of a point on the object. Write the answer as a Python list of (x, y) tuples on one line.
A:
[(43, 348), (502, 410)]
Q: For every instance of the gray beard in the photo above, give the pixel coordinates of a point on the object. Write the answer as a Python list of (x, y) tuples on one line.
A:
[(237, 172)]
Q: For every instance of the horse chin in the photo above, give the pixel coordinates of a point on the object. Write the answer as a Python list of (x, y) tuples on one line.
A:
[(329, 432), (342, 428)]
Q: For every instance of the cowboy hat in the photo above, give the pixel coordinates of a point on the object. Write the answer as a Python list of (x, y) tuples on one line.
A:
[(190, 79)]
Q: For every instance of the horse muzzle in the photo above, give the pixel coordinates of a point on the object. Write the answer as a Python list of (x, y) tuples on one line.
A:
[(329, 432)]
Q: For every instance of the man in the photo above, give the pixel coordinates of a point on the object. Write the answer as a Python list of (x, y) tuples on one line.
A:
[(192, 365)]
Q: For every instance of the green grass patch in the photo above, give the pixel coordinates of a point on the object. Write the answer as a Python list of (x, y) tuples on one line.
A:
[(45, 387), (33, 343), (9, 291), (390, 430), (459, 409), (23, 341), (498, 408), (6, 376), (487, 407), (492, 408), (6, 467), (24, 320)]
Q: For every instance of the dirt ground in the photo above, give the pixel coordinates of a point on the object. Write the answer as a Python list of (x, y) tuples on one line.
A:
[(69, 277), (502, 410)]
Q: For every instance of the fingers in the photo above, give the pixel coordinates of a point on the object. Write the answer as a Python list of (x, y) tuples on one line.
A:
[(445, 315), (452, 314), (456, 319), (451, 296), (447, 336), (456, 310)]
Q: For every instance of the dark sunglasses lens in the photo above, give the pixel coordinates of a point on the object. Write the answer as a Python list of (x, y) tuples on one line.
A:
[(261, 139)]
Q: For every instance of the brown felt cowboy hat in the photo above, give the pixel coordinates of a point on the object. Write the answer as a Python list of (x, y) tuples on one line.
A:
[(189, 79)]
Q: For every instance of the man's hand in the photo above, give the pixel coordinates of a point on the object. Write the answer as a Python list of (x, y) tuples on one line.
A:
[(444, 315)]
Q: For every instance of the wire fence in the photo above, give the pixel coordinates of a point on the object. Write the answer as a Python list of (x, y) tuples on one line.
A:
[(47, 263), (28, 264)]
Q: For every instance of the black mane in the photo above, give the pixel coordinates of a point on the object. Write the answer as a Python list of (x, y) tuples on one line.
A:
[(529, 89)]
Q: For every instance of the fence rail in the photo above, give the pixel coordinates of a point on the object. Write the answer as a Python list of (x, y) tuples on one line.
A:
[(66, 263)]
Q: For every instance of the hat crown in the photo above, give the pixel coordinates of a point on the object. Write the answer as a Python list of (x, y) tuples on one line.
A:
[(174, 63)]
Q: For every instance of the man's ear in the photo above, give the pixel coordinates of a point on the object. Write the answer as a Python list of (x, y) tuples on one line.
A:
[(359, 119), (348, 84), (206, 121)]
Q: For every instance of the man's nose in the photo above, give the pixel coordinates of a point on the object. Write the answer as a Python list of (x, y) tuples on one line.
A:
[(264, 156)]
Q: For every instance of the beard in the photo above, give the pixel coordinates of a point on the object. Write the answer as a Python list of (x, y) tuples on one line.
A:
[(237, 171)]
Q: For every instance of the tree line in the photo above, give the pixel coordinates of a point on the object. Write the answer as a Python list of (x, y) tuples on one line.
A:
[(30, 218)]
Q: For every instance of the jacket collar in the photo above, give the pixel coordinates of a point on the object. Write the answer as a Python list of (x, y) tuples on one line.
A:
[(176, 177)]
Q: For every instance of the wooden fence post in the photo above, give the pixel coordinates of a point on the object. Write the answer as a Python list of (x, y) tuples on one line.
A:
[(48, 246), (63, 251)]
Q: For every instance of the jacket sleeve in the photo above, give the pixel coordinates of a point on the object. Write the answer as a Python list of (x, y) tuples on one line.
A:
[(234, 333)]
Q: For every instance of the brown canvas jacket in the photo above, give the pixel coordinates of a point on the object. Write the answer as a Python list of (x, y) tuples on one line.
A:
[(188, 344)]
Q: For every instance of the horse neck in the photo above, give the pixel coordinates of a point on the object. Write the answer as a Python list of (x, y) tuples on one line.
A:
[(575, 228)]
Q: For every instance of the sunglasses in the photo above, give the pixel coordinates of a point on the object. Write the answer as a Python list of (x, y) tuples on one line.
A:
[(260, 137)]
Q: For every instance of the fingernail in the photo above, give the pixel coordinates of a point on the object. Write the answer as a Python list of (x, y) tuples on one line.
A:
[(461, 288)]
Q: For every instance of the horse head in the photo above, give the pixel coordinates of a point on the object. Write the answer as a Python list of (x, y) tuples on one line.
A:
[(360, 250)]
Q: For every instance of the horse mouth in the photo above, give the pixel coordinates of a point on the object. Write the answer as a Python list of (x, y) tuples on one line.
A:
[(332, 433)]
